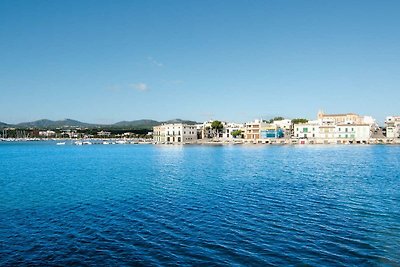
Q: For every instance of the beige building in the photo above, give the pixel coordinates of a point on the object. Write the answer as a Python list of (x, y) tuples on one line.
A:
[(252, 129), (340, 118), (392, 127), (159, 134), (175, 133)]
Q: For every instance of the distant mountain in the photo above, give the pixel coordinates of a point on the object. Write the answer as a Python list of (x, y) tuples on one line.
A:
[(67, 123), (136, 124), (147, 124), (181, 121), (3, 125)]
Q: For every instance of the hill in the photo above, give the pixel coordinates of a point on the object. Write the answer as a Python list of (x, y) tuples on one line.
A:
[(136, 124), (3, 125), (181, 121), (67, 123)]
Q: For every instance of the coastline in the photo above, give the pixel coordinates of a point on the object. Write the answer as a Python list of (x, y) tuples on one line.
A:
[(260, 142)]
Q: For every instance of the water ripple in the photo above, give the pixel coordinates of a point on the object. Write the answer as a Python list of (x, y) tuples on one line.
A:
[(197, 205)]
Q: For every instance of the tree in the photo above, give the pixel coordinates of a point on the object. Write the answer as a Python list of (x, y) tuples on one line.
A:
[(236, 133), (299, 120), (217, 126)]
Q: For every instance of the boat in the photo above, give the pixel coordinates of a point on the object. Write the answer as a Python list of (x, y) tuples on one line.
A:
[(60, 143)]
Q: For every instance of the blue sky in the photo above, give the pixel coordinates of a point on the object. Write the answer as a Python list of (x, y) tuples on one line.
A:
[(106, 61)]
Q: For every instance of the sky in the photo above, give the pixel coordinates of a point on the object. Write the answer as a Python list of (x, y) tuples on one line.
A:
[(107, 61)]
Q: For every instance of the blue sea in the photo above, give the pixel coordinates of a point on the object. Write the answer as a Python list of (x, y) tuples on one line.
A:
[(237, 205)]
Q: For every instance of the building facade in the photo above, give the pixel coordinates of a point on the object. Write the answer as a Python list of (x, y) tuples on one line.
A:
[(175, 133), (252, 129), (392, 126), (271, 131), (336, 128)]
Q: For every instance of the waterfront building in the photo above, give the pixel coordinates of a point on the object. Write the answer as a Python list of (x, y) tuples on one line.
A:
[(104, 134), (311, 129), (284, 124), (340, 118), (358, 133), (392, 127), (205, 130), (175, 133), (47, 133), (336, 128), (159, 134), (229, 128), (252, 130), (271, 130)]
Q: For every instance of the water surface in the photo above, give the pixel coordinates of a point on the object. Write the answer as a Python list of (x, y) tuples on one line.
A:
[(199, 205)]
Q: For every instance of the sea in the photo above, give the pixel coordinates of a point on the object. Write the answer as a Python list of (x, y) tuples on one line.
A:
[(199, 205)]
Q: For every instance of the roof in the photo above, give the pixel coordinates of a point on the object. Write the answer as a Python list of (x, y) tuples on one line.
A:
[(338, 115)]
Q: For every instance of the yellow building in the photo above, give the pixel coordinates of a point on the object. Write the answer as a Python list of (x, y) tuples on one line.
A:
[(341, 118)]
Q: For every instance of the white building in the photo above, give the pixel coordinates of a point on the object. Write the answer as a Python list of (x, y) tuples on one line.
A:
[(104, 134), (310, 129), (229, 128), (175, 133), (159, 134), (333, 134), (283, 124), (358, 133), (47, 133), (392, 127), (336, 128)]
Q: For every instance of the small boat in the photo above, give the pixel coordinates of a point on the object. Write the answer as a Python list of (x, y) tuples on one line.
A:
[(106, 143), (60, 143)]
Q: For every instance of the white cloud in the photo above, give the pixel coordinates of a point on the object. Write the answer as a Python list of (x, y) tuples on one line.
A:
[(155, 62), (142, 87)]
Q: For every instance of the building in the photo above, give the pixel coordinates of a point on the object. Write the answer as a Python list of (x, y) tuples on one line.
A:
[(47, 133), (104, 134), (229, 128), (349, 133), (271, 131), (284, 124), (340, 118), (311, 129), (175, 133), (252, 129), (336, 128), (392, 127), (159, 134)]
